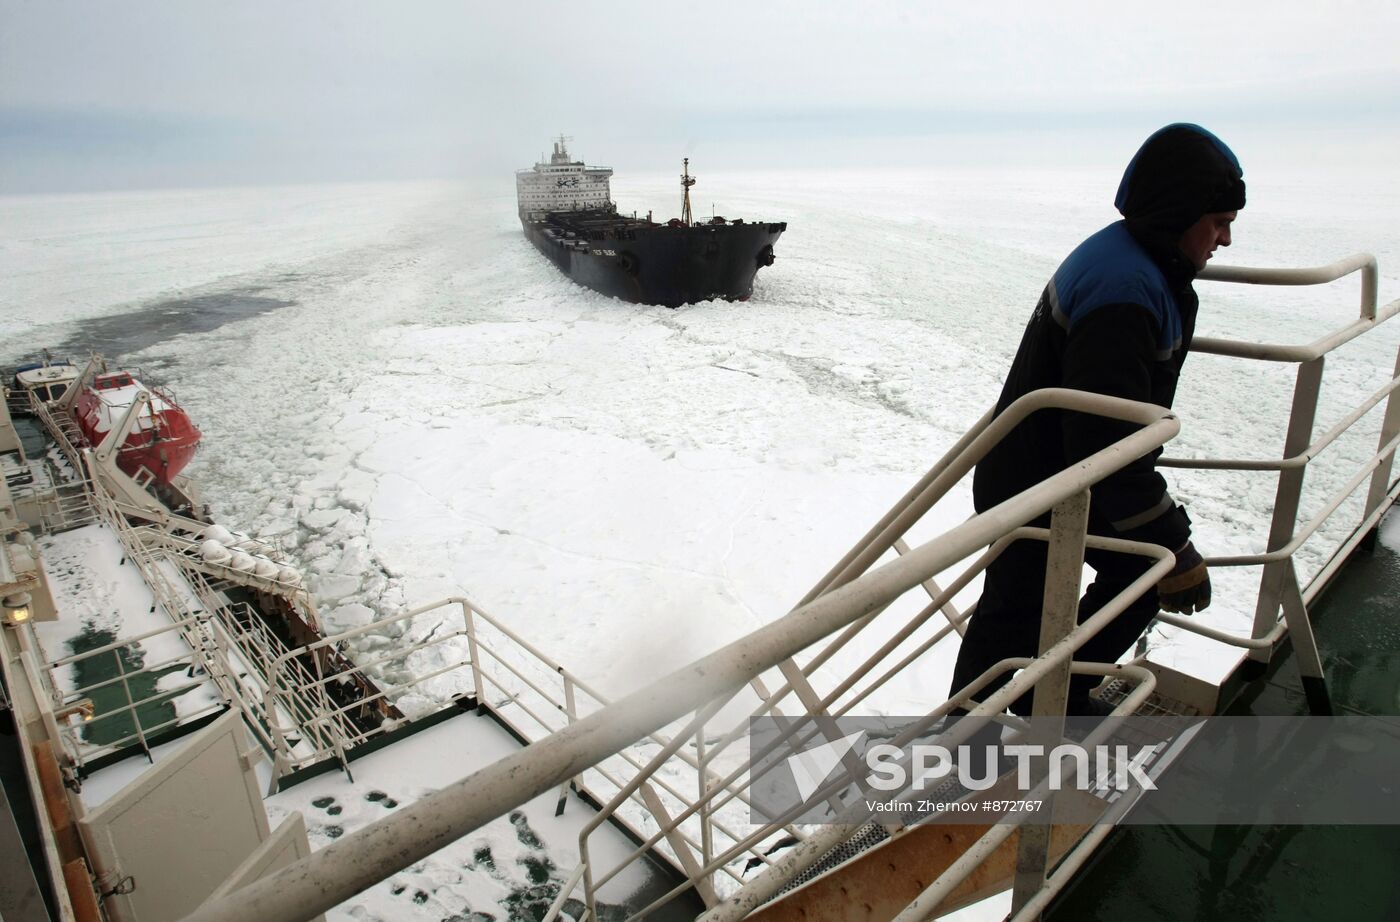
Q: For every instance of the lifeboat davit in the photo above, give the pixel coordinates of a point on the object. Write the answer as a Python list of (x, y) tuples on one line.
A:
[(162, 440)]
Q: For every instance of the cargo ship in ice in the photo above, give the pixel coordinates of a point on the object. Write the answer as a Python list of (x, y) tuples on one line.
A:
[(567, 211)]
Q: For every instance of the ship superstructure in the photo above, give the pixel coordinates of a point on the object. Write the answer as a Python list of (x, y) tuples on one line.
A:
[(562, 185), (567, 212)]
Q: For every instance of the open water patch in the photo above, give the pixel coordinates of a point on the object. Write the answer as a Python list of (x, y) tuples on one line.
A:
[(130, 332)]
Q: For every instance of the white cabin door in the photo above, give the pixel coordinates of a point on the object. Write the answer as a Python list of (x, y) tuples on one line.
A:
[(168, 840)]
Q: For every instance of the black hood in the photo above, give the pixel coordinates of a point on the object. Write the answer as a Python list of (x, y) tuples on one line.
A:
[(1179, 174)]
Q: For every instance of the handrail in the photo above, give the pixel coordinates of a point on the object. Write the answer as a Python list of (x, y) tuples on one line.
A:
[(1301, 449), (1315, 275), (290, 660), (174, 625), (1302, 458), (1317, 521), (803, 856), (1277, 352), (1306, 275), (726, 783), (960, 870), (886, 534), (354, 862)]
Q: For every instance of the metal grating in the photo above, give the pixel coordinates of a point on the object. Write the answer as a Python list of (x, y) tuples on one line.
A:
[(865, 838), (1115, 690)]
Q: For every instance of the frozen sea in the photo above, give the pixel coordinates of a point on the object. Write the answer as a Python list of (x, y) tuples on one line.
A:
[(390, 377)]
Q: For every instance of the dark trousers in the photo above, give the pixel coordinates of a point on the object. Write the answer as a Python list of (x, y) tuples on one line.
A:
[(1007, 620)]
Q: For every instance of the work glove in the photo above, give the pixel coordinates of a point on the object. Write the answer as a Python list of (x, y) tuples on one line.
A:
[(1186, 588)]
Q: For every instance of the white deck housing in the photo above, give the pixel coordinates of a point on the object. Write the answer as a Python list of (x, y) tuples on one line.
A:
[(561, 185)]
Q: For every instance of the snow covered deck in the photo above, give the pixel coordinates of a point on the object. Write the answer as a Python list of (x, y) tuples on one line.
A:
[(512, 867)]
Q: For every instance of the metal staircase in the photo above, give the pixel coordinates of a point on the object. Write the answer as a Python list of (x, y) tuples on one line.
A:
[(283, 695), (282, 701)]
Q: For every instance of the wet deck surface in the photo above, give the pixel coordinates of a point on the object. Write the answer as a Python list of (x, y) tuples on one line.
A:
[(1249, 873)]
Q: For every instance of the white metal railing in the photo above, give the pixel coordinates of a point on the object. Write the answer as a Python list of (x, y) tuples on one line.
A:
[(1281, 587), (890, 659), (534, 707), (291, 715), (476, 655), (70, 498), (63, 430), (1283, 590), (144, 708)]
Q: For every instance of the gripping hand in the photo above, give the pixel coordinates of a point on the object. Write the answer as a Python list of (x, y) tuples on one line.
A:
[(1186, 589)]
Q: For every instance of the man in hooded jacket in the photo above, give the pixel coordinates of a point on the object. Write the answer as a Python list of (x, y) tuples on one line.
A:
[(1116, 318)]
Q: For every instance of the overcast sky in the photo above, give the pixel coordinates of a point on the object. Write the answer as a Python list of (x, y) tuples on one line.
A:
[(133, 94)]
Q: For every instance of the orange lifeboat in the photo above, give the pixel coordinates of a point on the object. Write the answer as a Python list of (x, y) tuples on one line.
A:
[(162, 440)]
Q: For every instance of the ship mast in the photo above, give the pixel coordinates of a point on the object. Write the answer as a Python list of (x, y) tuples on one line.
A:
[(686, 182), (561, 152)]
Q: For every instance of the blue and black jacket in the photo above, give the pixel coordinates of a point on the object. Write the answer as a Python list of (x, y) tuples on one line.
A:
[(1116, 318)]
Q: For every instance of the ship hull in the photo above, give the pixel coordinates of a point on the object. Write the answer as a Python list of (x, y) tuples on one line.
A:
[(658, 263)]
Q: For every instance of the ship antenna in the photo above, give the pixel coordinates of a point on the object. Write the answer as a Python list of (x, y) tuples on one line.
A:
[(686, 182), (561, 150)]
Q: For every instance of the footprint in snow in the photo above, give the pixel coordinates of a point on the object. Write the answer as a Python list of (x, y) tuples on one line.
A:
[(523, 832)]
